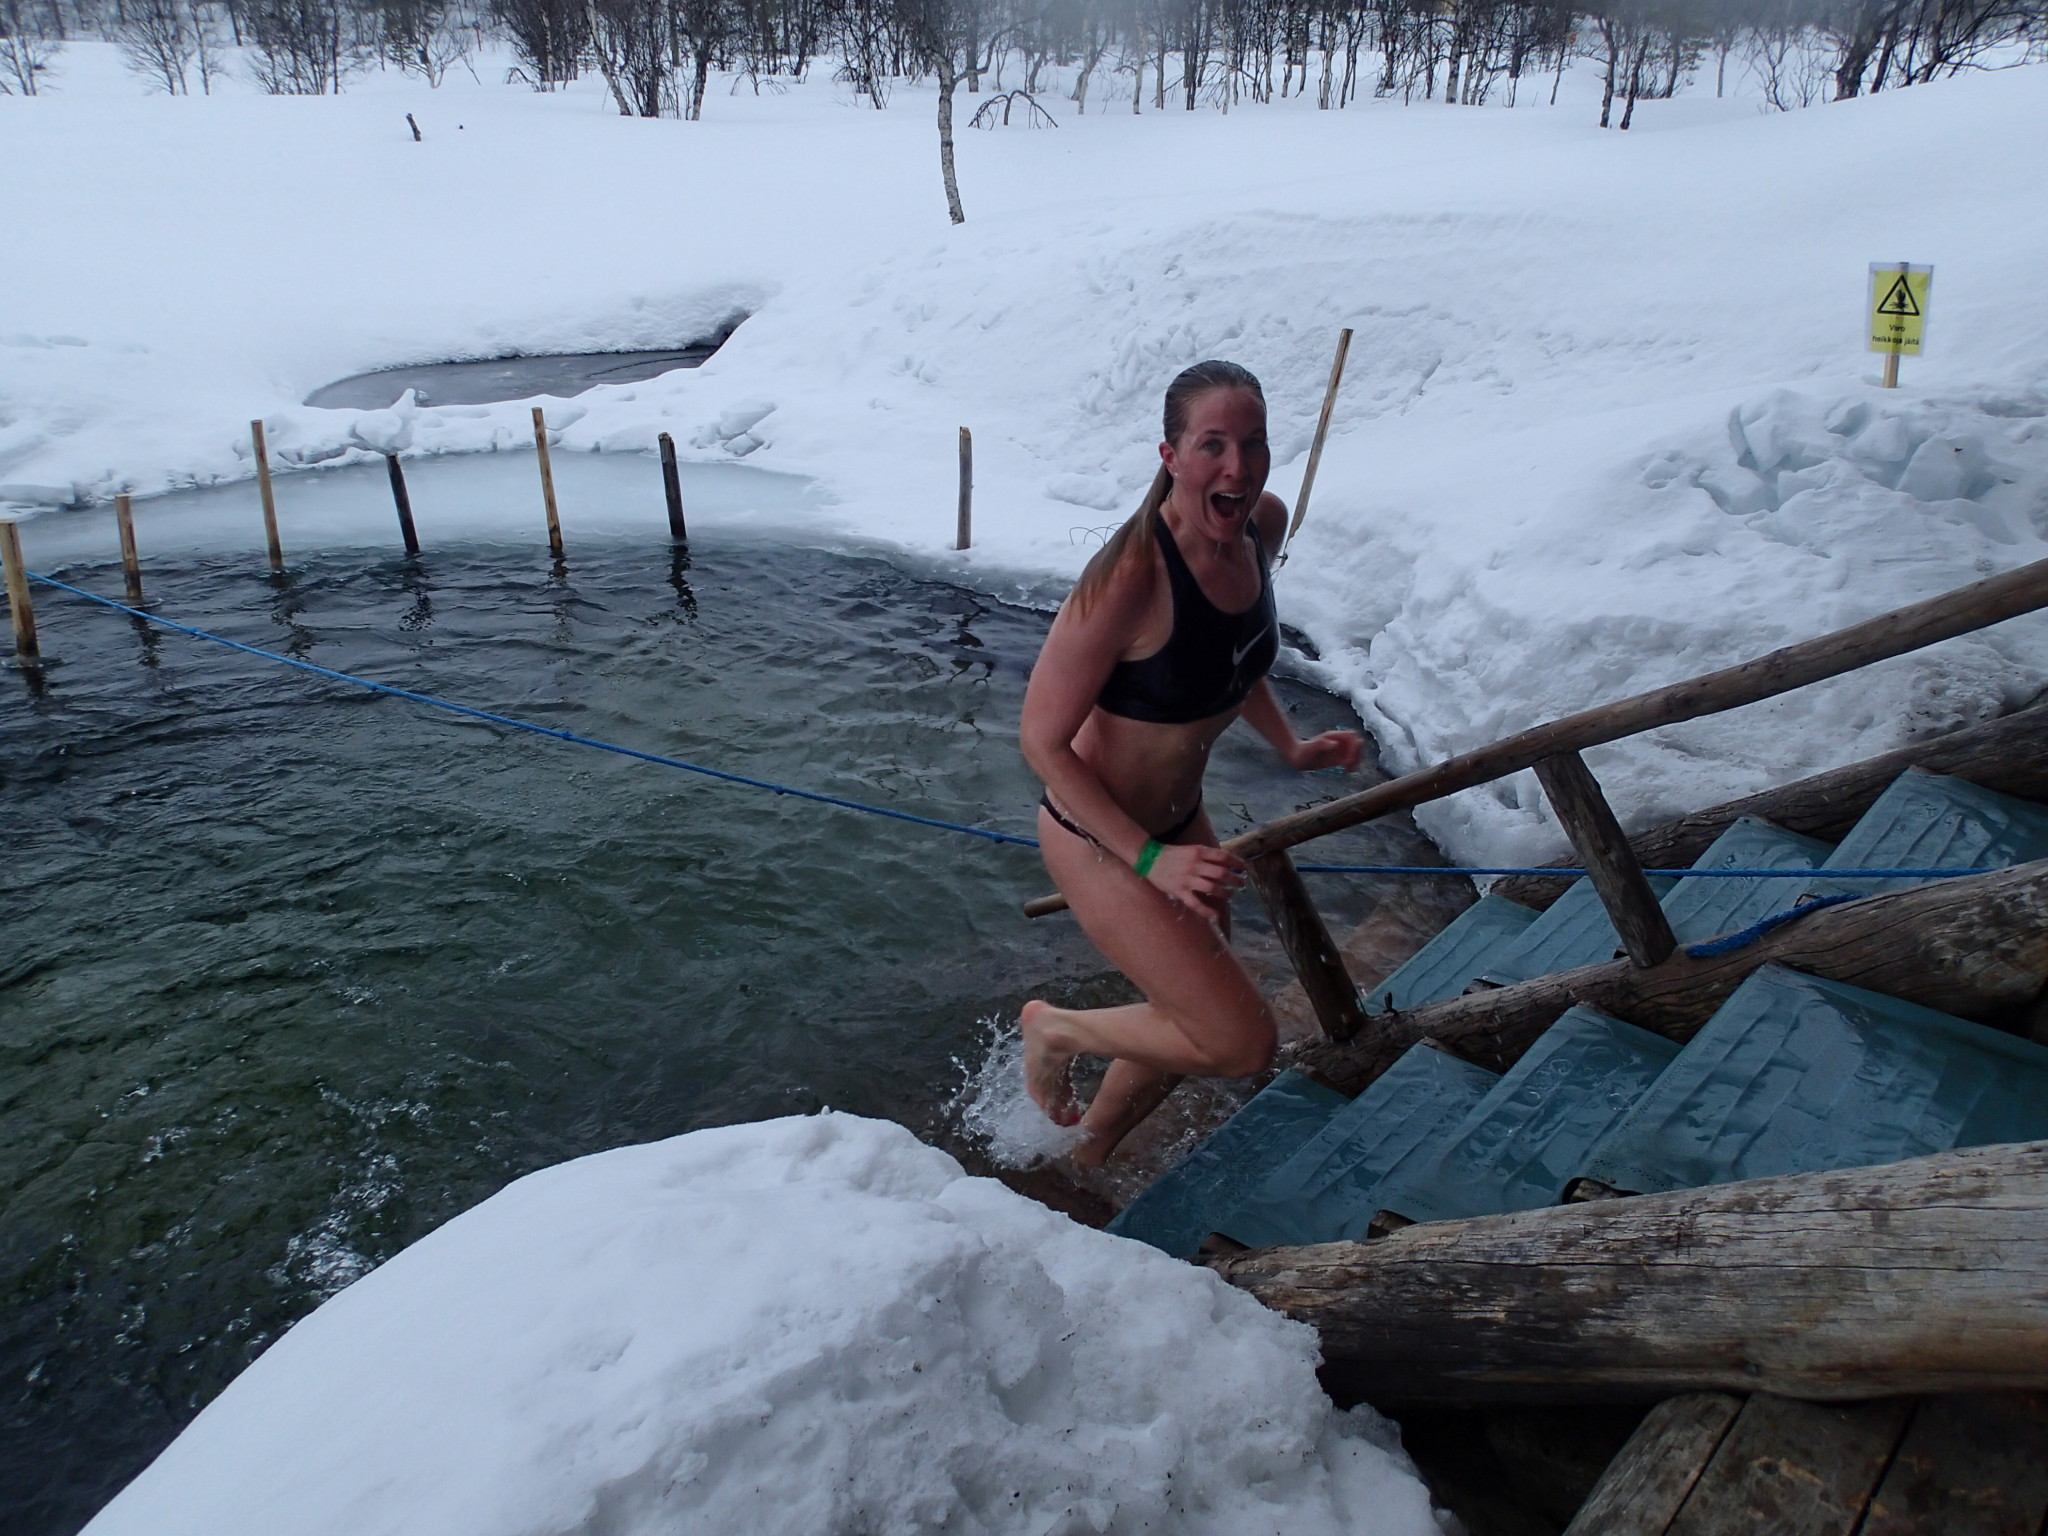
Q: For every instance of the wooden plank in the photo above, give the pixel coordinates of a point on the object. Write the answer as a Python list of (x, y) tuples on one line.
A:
[(1972, 1464), (1959, 612), (19, 605), (1582, 810), (2009, 755), (1644, 1486), (1976, 947), (1794, 1469), (1309, 946), (1922, 1276)]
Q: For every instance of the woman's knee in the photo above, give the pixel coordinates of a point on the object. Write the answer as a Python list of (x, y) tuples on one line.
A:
[(1245, 1048)]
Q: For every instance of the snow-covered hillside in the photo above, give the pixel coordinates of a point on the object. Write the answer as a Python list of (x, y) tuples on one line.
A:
[(1607, 422)]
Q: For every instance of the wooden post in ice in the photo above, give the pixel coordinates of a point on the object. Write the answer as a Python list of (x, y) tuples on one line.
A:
[(547, 480), (1891, 359), (672, 488), (403, 500), (269, 496), (966, 531), (1315, 449), (131, 564), (18, 605)]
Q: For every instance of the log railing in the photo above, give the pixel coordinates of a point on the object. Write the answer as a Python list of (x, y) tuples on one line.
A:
[(1552, 749)]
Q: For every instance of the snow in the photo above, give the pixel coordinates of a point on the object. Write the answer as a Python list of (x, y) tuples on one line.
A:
[(805, 1325), (1607, 422)]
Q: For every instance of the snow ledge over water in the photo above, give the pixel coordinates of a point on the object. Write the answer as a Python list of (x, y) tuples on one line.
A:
[(806, 1325)]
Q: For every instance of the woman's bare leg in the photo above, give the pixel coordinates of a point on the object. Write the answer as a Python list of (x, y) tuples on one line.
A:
[(1202, 1015), (1128, 1094)]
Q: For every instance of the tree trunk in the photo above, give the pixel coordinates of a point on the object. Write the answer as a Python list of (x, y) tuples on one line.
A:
[(949, 80), (697, 83), (1922, 1276)]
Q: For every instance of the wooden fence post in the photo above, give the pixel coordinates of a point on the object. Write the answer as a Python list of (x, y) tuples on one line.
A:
[(1610, 862), (965, 536), (131, 563), (403, 500), (1309, 946), (672, 488), (256, 435), (18, 603), (547, 481)]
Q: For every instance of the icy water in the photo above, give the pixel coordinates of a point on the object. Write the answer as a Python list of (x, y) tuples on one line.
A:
[(291, 973)]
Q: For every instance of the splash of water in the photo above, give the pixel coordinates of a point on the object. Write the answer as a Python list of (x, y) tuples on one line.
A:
[(996, 1113)]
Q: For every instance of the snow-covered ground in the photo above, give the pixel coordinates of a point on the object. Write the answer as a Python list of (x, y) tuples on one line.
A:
[(1607, 421), (806, 1325)]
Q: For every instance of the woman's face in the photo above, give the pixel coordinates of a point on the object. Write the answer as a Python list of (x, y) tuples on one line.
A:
[(1219, 464)]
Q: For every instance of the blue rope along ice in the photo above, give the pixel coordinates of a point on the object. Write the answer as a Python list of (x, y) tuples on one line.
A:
[(932, 821)]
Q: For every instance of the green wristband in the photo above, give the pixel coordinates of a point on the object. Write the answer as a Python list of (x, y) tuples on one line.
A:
[(1148, 856)]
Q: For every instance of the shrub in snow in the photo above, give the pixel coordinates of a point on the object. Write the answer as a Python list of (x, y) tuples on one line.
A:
[(809, 1325)]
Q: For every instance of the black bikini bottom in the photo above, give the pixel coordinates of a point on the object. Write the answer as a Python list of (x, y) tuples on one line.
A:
[(1082, 832)]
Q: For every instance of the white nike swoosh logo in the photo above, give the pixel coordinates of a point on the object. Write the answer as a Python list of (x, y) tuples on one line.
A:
[(1238, 656)]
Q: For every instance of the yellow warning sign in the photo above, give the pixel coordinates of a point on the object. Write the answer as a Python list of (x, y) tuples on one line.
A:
[(1898, 306)]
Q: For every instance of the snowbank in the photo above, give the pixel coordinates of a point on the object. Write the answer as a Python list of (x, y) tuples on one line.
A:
[(807, 1325), (1608, 421)]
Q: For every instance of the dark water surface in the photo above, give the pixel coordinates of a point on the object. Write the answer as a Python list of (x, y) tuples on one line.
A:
[(291, 973)]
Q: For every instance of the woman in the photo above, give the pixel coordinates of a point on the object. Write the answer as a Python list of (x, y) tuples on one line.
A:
[(1164, 641)]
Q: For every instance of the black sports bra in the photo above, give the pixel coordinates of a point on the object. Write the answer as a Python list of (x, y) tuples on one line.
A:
[(1210, 661)]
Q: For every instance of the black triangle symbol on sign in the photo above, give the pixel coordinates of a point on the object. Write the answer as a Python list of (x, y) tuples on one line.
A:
[(1900, 300)]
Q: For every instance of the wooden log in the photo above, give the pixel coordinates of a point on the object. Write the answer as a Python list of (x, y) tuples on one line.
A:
[(964, 534), (131, 562), (19, 606), (261, 445), (672, 489), (1922, 1276), (1331, 992), (547, 481), (402, 499), (1315, 447), (1610, 863), (2009, 755), (1971, 1464), (1976, 947), (1959, 612), (1640, 1492), (1794, 1469)]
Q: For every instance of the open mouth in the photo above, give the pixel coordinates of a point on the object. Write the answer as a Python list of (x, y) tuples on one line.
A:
[(1226, 506)]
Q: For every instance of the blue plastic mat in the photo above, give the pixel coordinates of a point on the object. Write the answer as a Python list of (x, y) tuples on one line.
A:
[(1327, 1191), (1447, 963), (1795, 1074), (1528, 1138), (1184, 1205), (1929, 820)]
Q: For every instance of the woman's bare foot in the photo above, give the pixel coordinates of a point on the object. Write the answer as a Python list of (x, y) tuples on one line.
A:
[(1048, 1073)]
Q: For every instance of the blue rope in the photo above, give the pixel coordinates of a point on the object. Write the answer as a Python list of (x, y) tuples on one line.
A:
[(932, 821), (538, 730), (1729, 942)]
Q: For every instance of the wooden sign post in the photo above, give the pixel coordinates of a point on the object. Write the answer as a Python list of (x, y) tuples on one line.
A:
[(1898, 312)]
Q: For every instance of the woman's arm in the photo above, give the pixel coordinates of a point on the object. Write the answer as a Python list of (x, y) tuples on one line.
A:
[(1262, 711), (1332, 749)]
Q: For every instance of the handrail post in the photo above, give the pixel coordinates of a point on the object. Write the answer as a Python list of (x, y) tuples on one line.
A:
[(1317, 961), (1588, 820)]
